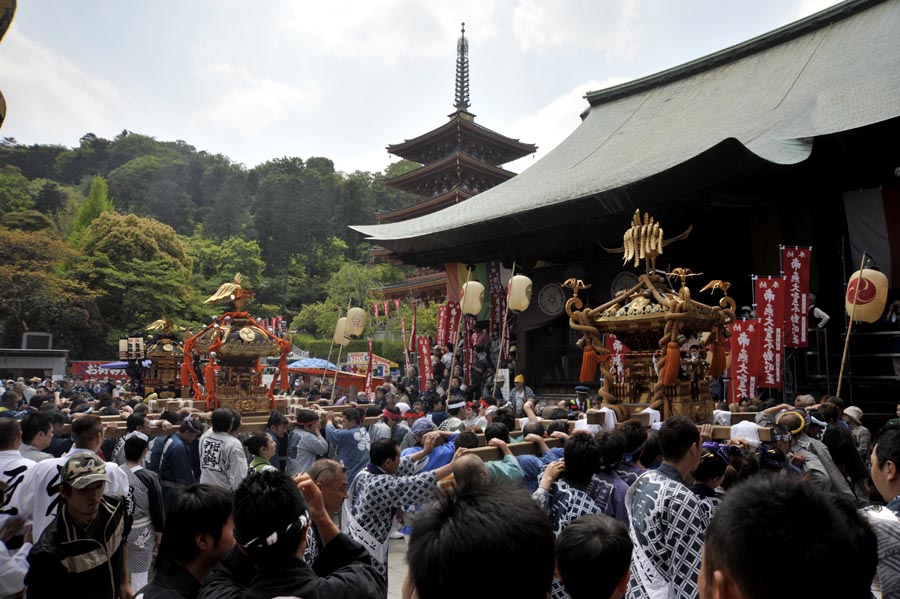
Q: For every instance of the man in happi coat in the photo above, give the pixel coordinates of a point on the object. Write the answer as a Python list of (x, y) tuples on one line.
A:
[(667, 522), (382, 487)]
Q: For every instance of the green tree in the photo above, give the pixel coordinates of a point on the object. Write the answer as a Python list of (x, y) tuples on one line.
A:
[(33, 283), (142, 266), (13, 190), (48, 196), (98, 202), (27, 220), (156, 187)]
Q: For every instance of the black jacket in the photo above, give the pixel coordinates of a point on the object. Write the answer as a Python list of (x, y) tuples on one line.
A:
[(64, 560), (231, 577), (170, 581), (346, 573)]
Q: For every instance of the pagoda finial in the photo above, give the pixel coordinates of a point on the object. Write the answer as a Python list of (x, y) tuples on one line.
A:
[(462, 71)]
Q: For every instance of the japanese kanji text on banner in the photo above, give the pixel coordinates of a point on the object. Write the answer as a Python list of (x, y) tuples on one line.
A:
[(795, 262), (769, 295), (745, 354)]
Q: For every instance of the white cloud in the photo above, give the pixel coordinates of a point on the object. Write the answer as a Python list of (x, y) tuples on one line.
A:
[(388, 31), (50, 98), (250, 103), (555, 121), (606, 26)]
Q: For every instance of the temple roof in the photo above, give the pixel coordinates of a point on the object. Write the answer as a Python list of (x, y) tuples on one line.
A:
[(462, 122), (763, 101)]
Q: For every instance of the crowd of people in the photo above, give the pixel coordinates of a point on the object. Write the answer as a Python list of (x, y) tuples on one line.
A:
[(187, 504)]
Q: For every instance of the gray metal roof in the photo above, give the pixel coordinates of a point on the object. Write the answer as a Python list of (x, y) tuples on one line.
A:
[(834, 71)]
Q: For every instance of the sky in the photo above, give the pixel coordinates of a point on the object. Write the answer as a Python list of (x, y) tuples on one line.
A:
[(344, 78)]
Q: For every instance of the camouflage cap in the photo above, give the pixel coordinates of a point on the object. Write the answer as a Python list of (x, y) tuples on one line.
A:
[(83, 469)]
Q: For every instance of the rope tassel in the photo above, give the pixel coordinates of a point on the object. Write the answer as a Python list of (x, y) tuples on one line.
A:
[(669, 374)]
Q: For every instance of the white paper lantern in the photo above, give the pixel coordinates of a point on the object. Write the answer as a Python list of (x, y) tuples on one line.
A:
[(470, 297), (340, 332), (869, 288), (519, 292), (356, 321)]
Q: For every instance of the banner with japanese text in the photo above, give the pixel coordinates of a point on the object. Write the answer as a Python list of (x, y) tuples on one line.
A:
[(454, 314), (498, 309), (423, 351), (369, 390), (443, 326), (412, 332), (469, 326), (795, 263), (769, 295), (745, 356)]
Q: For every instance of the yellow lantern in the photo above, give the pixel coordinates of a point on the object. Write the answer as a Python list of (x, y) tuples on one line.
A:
[(340, 332), (356, 321), (519, 292), (470, 297), (869, 289)]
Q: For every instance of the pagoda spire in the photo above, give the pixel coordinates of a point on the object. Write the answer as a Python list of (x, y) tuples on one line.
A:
[(462, 72)]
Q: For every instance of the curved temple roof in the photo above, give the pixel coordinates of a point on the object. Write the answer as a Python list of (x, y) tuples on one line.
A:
[(833, 71)]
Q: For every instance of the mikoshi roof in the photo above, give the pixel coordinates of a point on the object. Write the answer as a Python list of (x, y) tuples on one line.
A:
[(769, 97)]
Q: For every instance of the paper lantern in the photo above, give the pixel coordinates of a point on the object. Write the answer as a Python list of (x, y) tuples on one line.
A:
[(356, 321), (340, 332), (519, 292), (869, 288), (470, 297)]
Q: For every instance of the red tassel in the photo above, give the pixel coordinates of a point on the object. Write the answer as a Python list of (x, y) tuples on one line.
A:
[(186, 372), (717, 362), (589, 362), (669, 374)]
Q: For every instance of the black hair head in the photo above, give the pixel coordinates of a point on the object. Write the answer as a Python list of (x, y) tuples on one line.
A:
[(266, 504), (582, 457), (676, 436), (193, 510), (593, 554), (134, 447)]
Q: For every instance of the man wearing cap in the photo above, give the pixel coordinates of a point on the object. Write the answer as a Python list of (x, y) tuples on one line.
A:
[(519, 395), (84, 547), (455, 408), (581, 398), (38, 497), (861, 435), (305, 443)]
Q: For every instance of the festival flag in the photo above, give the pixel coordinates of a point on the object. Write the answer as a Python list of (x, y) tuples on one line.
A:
[(412, 331), (369, 390), (403, 336), (769, 295), (375, 308), (498, 309), (386, 313), (442, 326), (745, 355), (454, 313), (467, 370), (423, 349), (396, 304), (795, 263)]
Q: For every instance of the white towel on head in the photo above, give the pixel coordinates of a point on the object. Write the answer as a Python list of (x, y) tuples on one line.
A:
[(722, 417)]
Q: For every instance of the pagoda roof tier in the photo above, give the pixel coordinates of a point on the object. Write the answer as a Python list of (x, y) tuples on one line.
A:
[(422, 208), (410, 181), (460, 127)]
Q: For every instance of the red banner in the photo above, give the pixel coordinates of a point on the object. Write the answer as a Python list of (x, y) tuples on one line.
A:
[(454, 313), (375, 308), (795, 263), (369, 390), (387, 313), (467, 370), (617, 360), (745, 356), (403, 336), (442, 326), (412, 332), (89, 369), (769, 294), (423, 350)]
